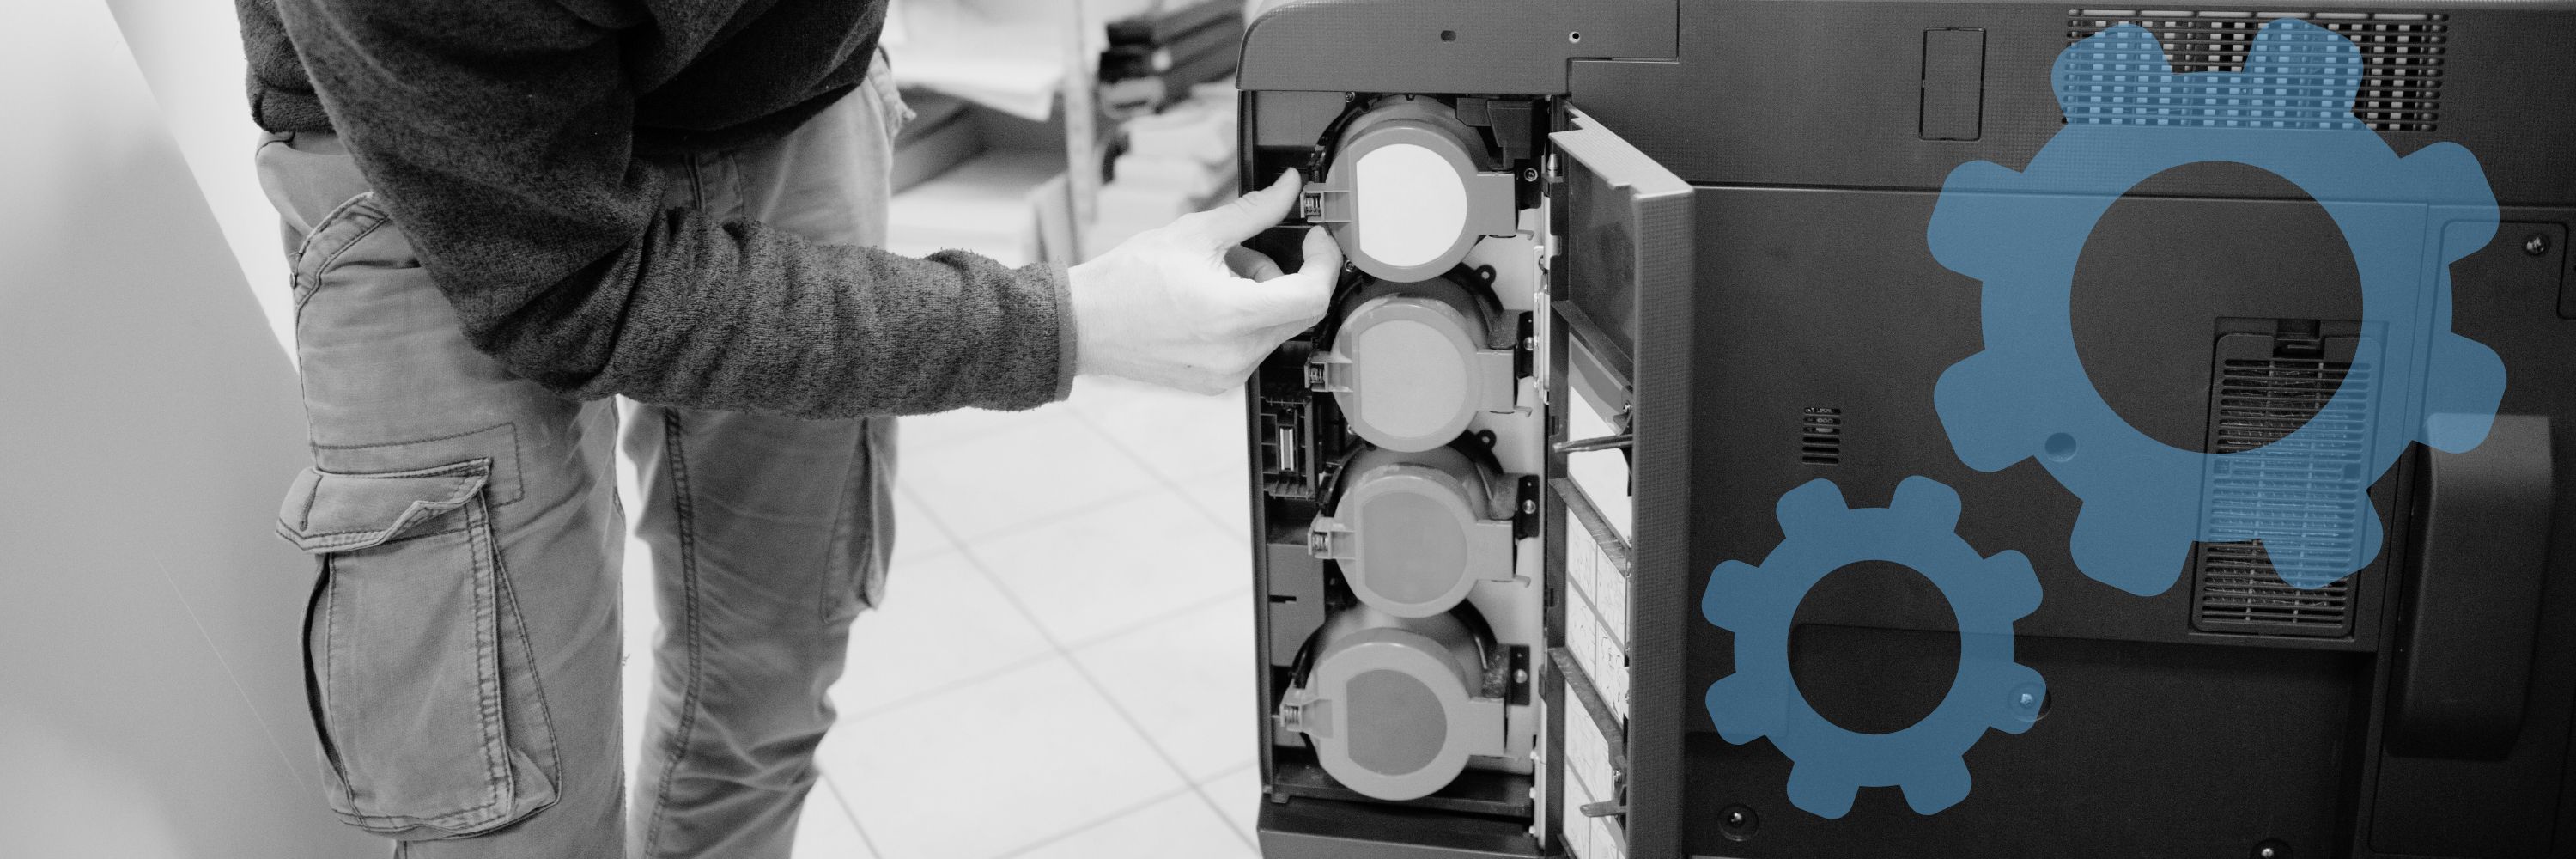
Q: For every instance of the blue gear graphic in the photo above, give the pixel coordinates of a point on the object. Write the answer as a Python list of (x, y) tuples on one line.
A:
[(1761, 699), (2130, 117)]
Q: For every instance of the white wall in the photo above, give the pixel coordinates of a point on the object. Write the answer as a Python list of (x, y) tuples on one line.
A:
[(150, 696), (190, 52)]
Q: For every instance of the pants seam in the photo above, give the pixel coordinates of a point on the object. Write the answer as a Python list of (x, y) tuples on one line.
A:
[(518, 628), (323, 267), (837, 557), (483, 550), (675, 463)]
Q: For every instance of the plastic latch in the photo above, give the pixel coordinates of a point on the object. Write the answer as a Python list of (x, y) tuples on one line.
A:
[(1324, 205), (1328, 372), (1330, 540), (1301, 711)]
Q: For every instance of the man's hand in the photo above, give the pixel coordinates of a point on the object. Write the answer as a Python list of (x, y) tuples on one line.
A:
[(1184, 306)]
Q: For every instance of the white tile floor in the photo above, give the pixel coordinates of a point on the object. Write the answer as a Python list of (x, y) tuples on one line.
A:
[(1062, 667)]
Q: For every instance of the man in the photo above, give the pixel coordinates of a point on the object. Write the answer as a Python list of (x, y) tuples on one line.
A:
[(500, 213)]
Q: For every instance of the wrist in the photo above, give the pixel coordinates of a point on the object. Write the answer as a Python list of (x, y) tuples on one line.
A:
[(1068, 335), (1086, 321)]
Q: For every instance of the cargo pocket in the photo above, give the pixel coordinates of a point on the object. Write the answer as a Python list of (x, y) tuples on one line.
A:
[(863, 530), (405, 643)]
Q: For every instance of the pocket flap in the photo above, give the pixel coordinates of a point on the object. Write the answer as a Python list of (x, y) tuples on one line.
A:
[(326, 512)]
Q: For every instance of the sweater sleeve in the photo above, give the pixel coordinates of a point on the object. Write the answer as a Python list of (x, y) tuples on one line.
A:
[(499, 133)]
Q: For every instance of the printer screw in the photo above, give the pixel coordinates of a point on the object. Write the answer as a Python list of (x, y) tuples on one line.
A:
[(1529, 174), (2535, 244), (2273, 848), (1737, 823)]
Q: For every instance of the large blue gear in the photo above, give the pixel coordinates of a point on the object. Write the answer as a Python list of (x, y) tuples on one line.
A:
[(1918, 529), (2130, 117)]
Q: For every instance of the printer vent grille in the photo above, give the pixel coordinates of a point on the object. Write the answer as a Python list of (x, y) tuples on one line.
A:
[(2301, 503), (2402, 63)]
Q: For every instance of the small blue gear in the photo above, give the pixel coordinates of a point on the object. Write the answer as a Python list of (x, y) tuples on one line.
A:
[(2129, 117), (1831, 764)]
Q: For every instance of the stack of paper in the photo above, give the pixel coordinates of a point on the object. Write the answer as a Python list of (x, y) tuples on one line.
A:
[(1009, 55), (1178, 161)]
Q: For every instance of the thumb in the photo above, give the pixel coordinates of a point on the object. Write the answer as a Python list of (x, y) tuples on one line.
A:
[(1249, 214), (1302, 297)]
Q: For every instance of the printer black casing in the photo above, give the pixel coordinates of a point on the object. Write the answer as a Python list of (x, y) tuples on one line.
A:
[(2425, 709)]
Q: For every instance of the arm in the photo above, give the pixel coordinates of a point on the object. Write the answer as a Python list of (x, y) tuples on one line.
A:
[(499, 134)]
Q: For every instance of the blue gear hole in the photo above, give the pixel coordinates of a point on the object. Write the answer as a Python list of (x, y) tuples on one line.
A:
[(2060, 447), (2021, 235)]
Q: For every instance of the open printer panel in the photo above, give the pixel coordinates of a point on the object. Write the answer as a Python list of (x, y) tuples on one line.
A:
[(1629, 278)]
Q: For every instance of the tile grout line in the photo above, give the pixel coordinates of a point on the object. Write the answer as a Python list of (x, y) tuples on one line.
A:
[(1088, 679), (961, 682), (1219, 811), (1167, 480), (1228, 771), (1092, 824), (1149, 620), (958, 541), (1168, 484), (1172, 485), (839, 798), (851, 814)]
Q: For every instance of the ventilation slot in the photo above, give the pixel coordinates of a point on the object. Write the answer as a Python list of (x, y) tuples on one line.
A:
[(1820, 437), (2302, 502), (2400, 87)]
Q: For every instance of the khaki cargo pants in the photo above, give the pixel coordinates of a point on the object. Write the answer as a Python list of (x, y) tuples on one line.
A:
[(463, 637)]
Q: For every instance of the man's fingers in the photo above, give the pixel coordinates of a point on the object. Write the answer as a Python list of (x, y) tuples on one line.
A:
[(1323, 259), (1249, 214), (1300, 298), (1250, 264)]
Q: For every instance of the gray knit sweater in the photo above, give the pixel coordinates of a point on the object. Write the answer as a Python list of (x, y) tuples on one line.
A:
[(506, 137)]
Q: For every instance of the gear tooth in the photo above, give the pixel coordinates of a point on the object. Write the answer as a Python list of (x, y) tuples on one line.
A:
[(1975, 404), (2309, 52), (2118, 38), (1936, 785), (1999, 405), (2448, 173), (1824, 794), (1734, 578), (2110, 545), (2024, 692), (1813, 501), (2076, 62), (2463, 385), (1971, 208), (2314, 56), (2017, 591), (1742, 710), (1928, 504)]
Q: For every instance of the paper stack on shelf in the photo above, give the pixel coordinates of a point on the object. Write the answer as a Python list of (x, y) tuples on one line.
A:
[(1009, 55), (1156, 56), (941, 135), (1176, 162)]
